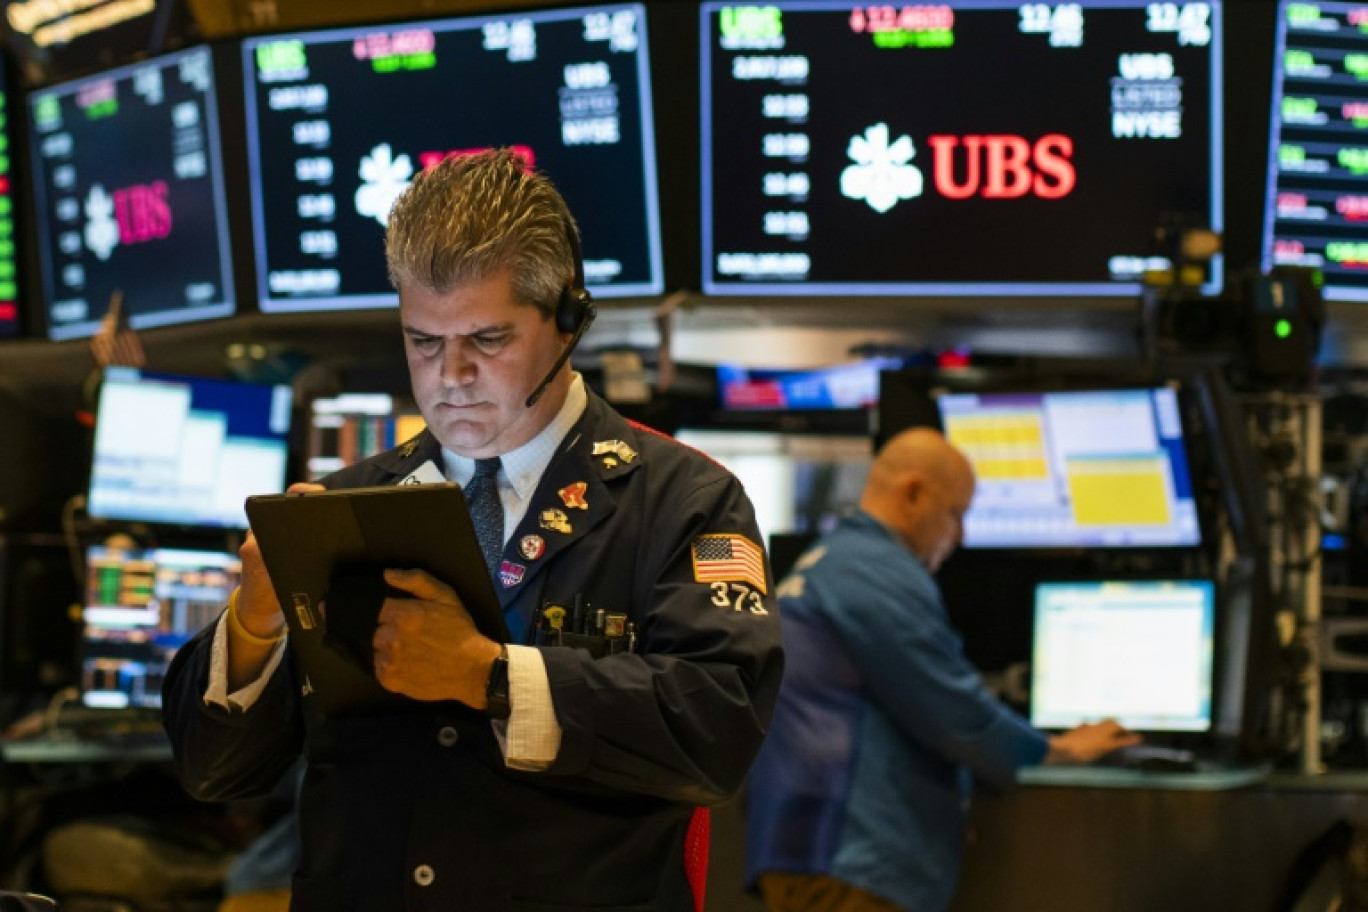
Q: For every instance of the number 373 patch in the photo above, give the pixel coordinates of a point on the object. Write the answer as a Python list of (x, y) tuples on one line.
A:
[(734, 567), (738, 597)]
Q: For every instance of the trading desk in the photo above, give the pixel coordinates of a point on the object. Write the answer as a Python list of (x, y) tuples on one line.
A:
[(149, 749), (1085, 839)]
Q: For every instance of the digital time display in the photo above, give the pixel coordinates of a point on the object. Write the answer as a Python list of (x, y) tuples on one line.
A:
[(570, 88), (130, 197), (968, 147), (1316, 208)]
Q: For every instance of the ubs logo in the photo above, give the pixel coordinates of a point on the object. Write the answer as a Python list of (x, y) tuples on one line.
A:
[(131, 215), (990, 166)]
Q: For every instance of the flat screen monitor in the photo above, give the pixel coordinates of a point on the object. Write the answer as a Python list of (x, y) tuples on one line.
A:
[(129, 196), (140, 607), (348, 428), (186, 450), (966, 147), (843, 386), (1316, 205), (1076, 469), (570, 88), (9, 285), (1137, 652)]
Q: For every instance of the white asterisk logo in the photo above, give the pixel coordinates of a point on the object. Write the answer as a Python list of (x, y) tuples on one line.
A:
[(383, 179), (881, 175), (101, 231)]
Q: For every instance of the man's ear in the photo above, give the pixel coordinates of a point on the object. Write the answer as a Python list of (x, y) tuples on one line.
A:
[(914, 486)]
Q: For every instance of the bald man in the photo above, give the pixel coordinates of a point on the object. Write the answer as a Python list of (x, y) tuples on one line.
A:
[(859, 798)]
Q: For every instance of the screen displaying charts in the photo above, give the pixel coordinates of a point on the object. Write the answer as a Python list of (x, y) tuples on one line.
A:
[(130, 199), (186, 450), (1316, 207), (140, 607), (9, 287), (1104, 468), (965, 147), (570, 88)]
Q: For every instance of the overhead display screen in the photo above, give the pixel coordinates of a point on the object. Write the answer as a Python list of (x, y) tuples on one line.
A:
[(1076, 469), (571, 88), (973, 147), (9, 287), (129, 189), (1316, 208)]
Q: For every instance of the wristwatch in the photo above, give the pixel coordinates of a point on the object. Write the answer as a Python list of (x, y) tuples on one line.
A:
[(496, 688)]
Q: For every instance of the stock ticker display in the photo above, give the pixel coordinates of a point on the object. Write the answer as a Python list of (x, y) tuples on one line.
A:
[(1317, 201), (340, 122), (9, 289), (955, 148), (129, 194)]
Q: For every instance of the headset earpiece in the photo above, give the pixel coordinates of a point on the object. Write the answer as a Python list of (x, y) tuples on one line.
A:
[(575, 310), (576, 304)]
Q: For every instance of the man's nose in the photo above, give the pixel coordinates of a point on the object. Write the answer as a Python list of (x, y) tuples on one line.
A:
[(458, 368)]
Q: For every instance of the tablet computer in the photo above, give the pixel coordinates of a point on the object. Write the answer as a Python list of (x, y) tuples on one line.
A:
[(332, 546)]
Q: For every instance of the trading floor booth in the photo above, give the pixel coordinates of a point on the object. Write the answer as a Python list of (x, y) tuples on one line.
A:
[(1116, 563)]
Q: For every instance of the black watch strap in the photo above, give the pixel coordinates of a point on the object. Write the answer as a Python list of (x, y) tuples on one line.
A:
[(496, 689)]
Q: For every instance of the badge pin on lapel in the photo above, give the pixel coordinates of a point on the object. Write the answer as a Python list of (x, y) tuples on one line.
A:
[(532, 546), (556, 521), (573, 496)]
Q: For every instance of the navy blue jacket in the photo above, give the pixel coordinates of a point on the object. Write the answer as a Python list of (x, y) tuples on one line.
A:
[(648, 735), (880, 721)]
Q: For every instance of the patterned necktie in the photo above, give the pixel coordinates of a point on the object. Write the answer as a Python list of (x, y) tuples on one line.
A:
[(486, 511)]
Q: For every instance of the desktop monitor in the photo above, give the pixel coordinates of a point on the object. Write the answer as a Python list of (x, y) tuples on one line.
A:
[(967, 147), (140, 607), (1137, 652), (1316, 204), (186, 450), (569, 87), (129, 196), (1075, 469)]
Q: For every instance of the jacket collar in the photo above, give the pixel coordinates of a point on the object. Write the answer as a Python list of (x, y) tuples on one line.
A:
[(576, 493), (407, 457)]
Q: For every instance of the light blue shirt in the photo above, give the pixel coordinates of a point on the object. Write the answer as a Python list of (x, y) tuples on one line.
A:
[(521, 470)]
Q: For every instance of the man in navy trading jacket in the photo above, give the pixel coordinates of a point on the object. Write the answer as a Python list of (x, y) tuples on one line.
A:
[(531, 776)]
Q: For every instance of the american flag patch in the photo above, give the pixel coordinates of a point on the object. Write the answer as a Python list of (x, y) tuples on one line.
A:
[(729, 558)]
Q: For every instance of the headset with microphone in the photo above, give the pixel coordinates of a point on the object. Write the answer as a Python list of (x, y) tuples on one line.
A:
[(575, 310)]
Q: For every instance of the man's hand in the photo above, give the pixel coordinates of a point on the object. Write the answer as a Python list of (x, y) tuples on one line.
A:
[(427, 647), (258, 611), (1088, 742)]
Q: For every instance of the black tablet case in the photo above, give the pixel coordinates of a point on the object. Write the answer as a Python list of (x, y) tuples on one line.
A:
[(332, 546)]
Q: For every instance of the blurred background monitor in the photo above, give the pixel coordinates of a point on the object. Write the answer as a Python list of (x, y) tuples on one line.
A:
[(346, 429), (844, 386), (948, 148), (9, 287), (1138, 652), (140, 607), (1076, 469), (570, 87), (129, 196), (1316, 207), (186, 450), (796, 482)]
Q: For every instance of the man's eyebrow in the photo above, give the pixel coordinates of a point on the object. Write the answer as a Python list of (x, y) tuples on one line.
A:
[(492, 329)]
